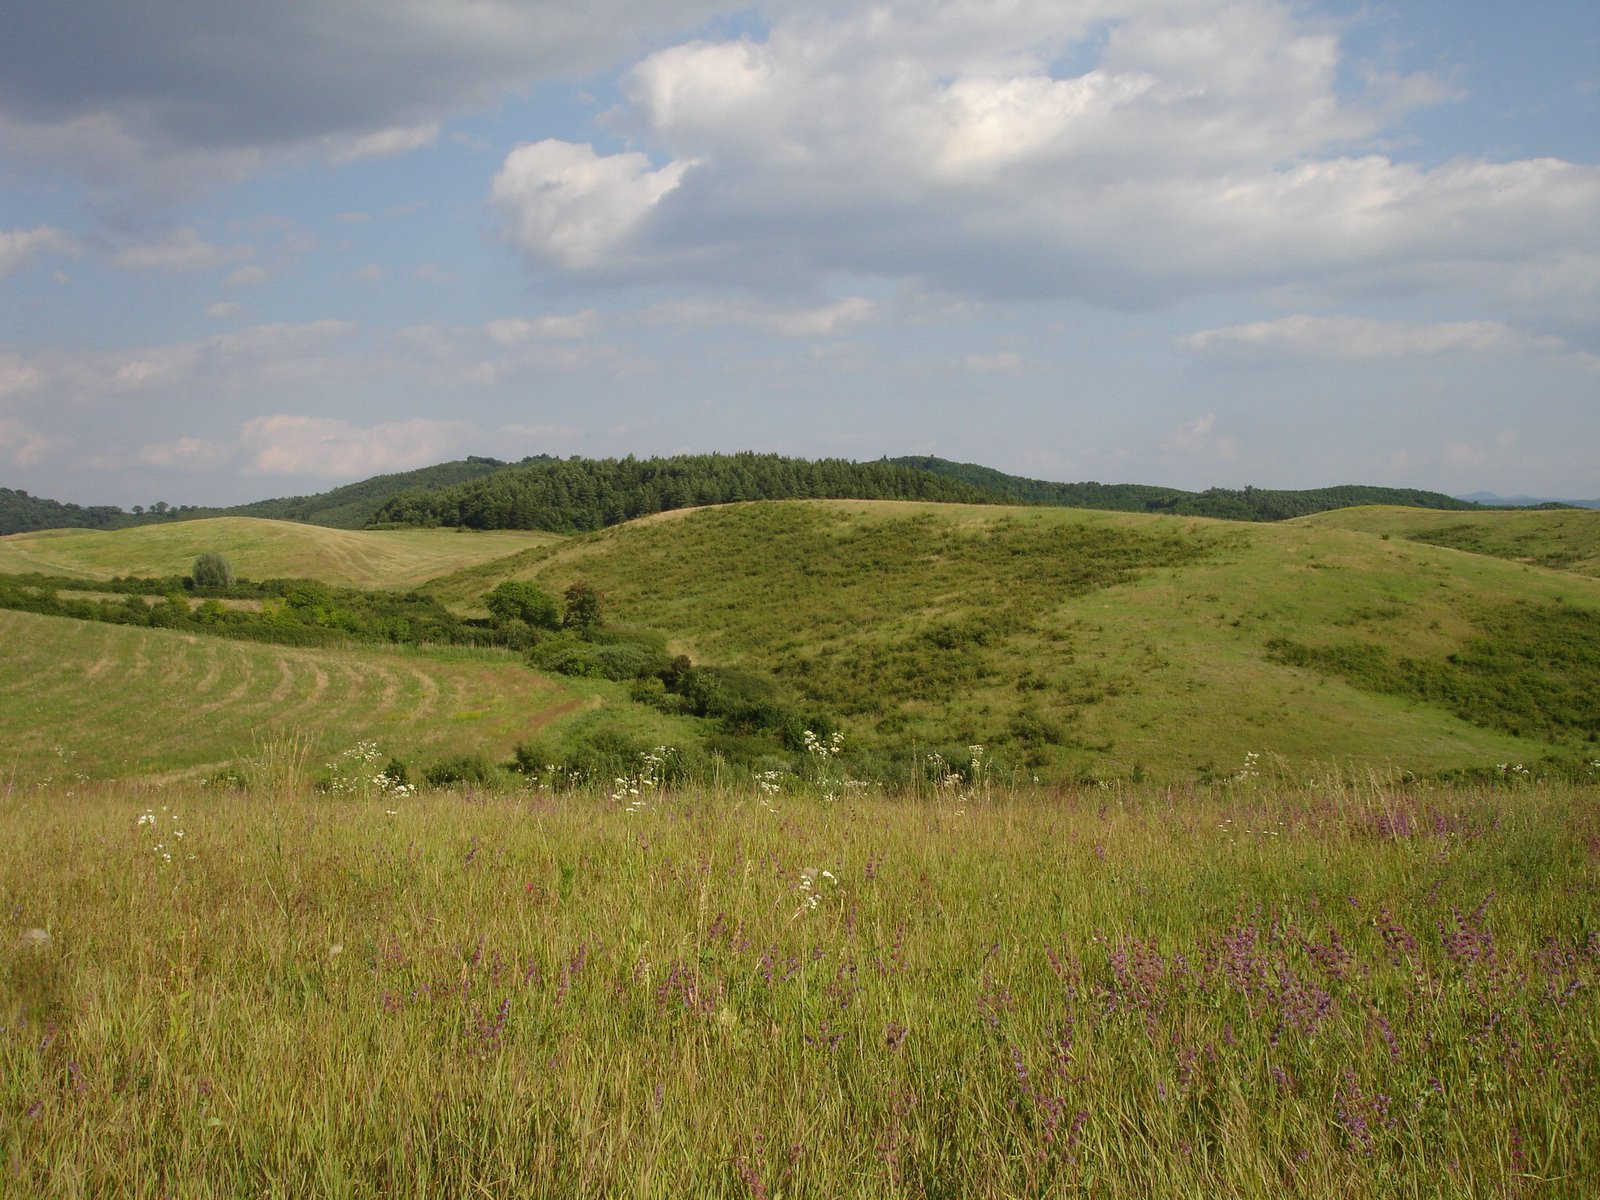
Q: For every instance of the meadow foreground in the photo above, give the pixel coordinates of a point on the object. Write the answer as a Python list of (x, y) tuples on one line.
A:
[(1260, 989)]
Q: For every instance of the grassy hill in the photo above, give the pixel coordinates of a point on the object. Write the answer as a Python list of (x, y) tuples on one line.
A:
[(1069, 644), (1232, 504), (1078, 643), (1562, 539), (260, 549)]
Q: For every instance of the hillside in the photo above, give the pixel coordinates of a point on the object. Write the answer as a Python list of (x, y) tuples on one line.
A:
[(1076, 643), (1562, 539), (356, 505), (1247, 504), (80, 699), (1069, 644), (259, 549)]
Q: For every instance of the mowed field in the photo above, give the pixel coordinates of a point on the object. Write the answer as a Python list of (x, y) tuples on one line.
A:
[(84, 699), (258, 549)]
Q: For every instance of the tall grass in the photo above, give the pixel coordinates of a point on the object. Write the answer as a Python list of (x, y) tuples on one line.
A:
[(1261, 989)]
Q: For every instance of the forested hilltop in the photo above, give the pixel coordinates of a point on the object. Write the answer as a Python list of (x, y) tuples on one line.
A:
[(1247, 504), (579, 494)]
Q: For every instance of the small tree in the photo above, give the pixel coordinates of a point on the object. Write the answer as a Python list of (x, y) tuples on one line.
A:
[(514, 600), (211, 570), (583, 608)]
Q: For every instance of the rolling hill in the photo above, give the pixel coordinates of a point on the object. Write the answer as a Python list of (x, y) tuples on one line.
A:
[(1073, 643), (1068, 643), (260, 549), (1564, 539)]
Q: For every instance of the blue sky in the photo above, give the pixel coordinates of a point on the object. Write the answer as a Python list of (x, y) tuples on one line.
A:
[(258, 250)]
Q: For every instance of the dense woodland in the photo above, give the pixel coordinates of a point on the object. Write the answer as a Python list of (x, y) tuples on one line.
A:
[(579, 494), (575, 495)]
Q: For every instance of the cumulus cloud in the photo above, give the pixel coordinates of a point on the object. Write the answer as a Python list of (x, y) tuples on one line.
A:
[(286, 444), (1128, 153), (19, 247), (563, 203), (1361, 338)]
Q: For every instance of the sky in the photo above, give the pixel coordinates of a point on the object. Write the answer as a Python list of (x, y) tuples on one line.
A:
[(254, 250)]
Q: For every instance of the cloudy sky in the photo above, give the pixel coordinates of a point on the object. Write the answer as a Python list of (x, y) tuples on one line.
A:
[(250, 250)]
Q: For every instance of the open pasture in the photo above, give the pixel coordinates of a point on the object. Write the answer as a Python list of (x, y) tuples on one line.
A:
[(88, 699), (261, 549), (1076, 643), (1562, 539), (1337, 989)]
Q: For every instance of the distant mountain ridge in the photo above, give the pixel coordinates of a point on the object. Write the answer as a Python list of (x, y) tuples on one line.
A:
[(1493, 501), (572, 494)]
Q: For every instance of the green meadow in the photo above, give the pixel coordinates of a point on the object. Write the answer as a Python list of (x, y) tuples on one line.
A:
[(1260, 989), (1125, 856), (259, 549), (1103, 645)]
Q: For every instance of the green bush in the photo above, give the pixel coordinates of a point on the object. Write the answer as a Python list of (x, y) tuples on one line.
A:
[(460, 768), (211, 570)]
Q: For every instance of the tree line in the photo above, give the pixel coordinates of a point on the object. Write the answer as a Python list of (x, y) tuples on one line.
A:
[(576, 495)]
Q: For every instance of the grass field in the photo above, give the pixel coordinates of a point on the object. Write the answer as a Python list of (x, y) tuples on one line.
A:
[(260, 549), (1338, 989), (1564, 539), (1075, 643), (106, 701)]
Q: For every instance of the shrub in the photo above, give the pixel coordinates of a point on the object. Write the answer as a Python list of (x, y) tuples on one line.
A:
[(460, 768), (515, 600), (211, 570)]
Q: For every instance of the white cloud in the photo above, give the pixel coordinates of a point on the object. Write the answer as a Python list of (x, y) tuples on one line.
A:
[(370, 273), (817, 321), (1193, 147), (181, 250), (511, 331), (565, 204), (1003, 363), (250, 276), (19, 247), (21, 446), (285, 444), (1361, 338), (16, 374), (385, 143), (1200, 437), (221, 310), (184, 454)]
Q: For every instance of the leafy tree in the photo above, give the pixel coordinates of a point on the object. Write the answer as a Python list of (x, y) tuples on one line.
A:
[(583, 608), (211, 570), (514, 600)]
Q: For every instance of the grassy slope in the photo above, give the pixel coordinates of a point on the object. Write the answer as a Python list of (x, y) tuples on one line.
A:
[(1566, 539), (105, 701), (1168, 671), (260, 549)]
